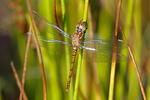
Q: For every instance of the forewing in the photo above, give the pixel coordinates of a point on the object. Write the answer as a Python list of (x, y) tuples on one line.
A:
[(101, 43), (41, 20), (45, 41), (103, 49)]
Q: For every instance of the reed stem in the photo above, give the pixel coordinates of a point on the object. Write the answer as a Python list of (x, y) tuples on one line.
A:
[(66, 47), (80, 54), (114, 55)]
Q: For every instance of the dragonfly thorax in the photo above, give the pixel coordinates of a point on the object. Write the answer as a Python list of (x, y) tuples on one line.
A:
[(75, 41), (80, 30)]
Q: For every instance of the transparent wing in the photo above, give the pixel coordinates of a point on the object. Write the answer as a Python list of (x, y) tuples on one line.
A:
[(44, 41), (61, 31), (101, 43), (87, 48), (94, 41), (103, 49), (104, 54), (121, 43), (51, 25)]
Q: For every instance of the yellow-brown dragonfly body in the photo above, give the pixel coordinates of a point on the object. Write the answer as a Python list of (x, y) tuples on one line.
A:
[(102, 48), (76, 38)]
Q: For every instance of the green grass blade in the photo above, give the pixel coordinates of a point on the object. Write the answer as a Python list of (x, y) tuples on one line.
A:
[(80, 54)]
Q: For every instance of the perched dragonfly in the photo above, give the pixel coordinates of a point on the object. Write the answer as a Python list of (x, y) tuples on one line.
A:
[(76, 42)]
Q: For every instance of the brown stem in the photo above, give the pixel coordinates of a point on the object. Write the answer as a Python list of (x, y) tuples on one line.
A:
[(38, 48), (135, 65), (25, 62), (114, 55), (18, 81)]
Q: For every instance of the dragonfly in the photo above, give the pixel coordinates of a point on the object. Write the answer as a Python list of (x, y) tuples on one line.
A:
[(77, 41)]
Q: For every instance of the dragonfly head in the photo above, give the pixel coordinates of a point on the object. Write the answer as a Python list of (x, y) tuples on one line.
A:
[(81, 27)]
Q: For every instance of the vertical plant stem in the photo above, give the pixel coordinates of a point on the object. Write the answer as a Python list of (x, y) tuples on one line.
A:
[(135, 65), (38, 48), (80, 54), (56, 20), (66, 47), (78, 76), (114, 55), (136, 48), (65, 29), (85, 10), (80, 92), (18, 81), (120, 88), (25, 62)]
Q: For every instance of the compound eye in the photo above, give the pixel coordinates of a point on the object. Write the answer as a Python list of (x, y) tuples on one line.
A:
[(77, 28)]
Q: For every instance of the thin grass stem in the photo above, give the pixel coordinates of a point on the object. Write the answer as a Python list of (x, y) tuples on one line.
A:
[(80, 54), (65, 29), (56, 20), (85, 10), (78, 76), (135, 65), (66, 47), (18, 81), (38, 48), (25, 63), (114, 55)]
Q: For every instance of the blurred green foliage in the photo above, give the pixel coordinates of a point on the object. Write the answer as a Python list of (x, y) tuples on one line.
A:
[(134, 21)]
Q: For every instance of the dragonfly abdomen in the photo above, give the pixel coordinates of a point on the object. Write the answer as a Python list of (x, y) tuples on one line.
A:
[(71, 69)]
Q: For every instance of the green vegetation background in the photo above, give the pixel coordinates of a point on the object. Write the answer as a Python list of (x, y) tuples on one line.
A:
[(134, 21)]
